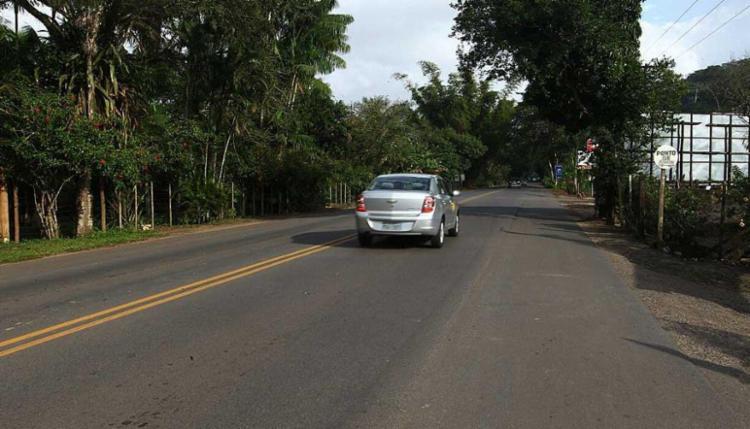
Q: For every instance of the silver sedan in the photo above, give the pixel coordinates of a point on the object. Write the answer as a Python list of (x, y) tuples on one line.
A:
[(407, 205)]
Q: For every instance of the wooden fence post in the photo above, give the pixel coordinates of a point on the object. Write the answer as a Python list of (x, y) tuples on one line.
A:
[(642, 206), (102, 205), (119, 208), (16, 215), (170, 204), (135, 191), (151, 200), (4, 211), (660, 225)]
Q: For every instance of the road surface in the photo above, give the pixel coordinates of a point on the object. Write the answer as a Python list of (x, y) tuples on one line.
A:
[(518, 323)]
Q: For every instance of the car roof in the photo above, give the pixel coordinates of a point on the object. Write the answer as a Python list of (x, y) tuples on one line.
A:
[(423, 176)]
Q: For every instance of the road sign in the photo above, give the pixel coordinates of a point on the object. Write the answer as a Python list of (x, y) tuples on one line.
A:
[(590, 146), (665, 157), (583, 161), (559, 171)]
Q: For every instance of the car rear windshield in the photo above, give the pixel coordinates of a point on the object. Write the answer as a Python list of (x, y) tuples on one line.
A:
[(400, 183)]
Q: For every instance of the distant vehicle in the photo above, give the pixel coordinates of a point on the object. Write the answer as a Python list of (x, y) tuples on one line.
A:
[(407, 205), (515, 183)]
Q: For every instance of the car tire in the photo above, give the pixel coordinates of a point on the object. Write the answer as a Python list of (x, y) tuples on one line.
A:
[(438, 239), (365, 239), (453, 232)]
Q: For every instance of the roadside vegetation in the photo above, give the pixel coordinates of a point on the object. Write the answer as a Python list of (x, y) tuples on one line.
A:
[(207, 110), (582, 62), (219, 105), (39, 248)]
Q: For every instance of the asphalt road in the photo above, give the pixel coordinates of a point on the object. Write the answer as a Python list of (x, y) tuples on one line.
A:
[(520, 323)]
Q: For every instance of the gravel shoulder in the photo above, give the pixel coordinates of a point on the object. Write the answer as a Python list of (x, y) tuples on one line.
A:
[(704, 305)]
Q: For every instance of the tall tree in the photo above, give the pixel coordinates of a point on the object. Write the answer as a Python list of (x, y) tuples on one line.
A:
[(94, 37), (582, 63)]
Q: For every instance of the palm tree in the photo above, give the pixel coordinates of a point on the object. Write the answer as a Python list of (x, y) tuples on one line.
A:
[(94, 37)]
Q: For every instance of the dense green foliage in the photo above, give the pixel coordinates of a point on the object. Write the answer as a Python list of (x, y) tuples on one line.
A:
[(582, 63), (723, 88), (208, 96)]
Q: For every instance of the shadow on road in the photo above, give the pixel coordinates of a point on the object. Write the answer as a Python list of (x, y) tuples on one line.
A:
[(740, 375)]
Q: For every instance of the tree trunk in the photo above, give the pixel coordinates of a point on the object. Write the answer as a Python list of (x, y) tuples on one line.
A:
[(46, 208), (90, 21), (84, 206)]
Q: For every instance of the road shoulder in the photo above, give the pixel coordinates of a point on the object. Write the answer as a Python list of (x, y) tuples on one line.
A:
[(703, 305)]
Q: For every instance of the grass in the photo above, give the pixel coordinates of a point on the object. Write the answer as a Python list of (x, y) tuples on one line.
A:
[(39, 248)]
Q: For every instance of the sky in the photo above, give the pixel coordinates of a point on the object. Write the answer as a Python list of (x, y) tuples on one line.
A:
[(390, 36)]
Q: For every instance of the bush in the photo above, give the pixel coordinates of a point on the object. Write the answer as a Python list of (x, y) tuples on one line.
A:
[(686, 218), (202, 202)]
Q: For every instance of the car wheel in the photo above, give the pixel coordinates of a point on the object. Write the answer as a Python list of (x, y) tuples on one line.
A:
[(365, 240), (453, 232), (437, 240)]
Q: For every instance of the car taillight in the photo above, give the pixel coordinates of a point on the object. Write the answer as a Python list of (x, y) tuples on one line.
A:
[(429, 205), (361, 207)]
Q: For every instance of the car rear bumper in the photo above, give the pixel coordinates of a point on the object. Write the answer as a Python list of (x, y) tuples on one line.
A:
[(427, 224)]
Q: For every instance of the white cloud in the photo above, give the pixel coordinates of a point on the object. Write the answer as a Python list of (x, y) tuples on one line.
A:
[(392, 36)]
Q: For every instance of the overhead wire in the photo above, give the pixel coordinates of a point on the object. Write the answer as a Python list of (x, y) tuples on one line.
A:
[(716, 30), (697, 23), (677, 21)]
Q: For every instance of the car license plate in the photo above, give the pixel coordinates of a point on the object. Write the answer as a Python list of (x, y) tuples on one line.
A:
[(391, 226)]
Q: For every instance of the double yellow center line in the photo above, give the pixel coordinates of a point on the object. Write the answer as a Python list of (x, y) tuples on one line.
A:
[(41, 336), (468, 200), (45, 335)]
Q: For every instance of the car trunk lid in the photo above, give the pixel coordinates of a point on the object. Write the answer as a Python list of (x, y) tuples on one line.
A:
[(394, 204)]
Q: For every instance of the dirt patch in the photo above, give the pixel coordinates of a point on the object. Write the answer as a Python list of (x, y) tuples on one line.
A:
[(704, 305)]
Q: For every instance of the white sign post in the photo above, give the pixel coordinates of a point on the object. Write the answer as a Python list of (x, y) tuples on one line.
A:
[(665, 158)]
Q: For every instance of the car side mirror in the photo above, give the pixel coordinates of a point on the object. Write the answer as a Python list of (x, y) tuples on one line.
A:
[(456, 193)]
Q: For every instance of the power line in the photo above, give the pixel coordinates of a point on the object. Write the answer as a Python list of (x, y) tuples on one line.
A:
[(672, 26), (715, 30), (694, 25)]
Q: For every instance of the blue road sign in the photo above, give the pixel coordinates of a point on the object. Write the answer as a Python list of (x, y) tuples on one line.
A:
[(559, 171)]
